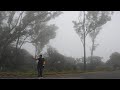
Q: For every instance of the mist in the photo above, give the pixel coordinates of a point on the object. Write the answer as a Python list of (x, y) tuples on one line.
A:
[(68, 42), (60, 42)]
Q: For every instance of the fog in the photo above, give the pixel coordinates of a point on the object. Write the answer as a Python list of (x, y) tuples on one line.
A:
[(68, 43)]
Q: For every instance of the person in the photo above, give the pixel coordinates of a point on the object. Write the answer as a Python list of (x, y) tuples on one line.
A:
[(40, 66)]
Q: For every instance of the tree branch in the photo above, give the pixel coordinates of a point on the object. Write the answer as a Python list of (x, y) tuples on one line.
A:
[(17, 20), (23, 41)]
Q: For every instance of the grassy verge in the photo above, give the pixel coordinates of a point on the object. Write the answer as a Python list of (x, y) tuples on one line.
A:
[(32, 74)]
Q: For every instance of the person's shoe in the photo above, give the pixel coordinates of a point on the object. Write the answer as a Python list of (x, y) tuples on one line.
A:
[(40, 77)]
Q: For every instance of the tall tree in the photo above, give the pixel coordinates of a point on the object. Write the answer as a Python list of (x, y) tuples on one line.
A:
[(87, 22), (18, 26), (82, 31), (93, 36), (99, 18)]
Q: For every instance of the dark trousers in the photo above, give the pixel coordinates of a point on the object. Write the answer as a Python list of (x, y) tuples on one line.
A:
[(40, 71)]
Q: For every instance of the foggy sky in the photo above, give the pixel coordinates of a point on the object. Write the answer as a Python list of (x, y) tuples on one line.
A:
[(68, 42)]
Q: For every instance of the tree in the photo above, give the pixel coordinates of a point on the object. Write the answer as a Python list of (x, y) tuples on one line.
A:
[(114, 60), (43, 38), (93, 36), (99, 19), (54, 59), (88, 21), (97, 61), (19, 27), (23, 62), (58, 62)]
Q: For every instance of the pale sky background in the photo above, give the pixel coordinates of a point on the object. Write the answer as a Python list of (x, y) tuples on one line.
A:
[(68, 42)]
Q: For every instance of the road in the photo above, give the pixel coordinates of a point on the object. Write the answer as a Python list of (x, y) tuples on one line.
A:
[(90, 75)]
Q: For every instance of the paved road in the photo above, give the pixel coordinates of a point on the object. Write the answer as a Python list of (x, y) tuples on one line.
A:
[(91, 75), (102, 75)]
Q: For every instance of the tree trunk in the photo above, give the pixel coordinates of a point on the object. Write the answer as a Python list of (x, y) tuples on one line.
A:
[(92, 50), (84, 54), (36, 51), (17, 50), (84, 42)]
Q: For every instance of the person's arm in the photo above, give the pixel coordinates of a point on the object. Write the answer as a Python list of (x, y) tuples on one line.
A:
[(35, 58)]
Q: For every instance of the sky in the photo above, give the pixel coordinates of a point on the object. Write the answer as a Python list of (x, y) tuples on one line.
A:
[(68, 43)]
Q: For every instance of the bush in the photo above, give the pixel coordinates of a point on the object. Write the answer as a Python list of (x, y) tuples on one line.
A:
[(22, 62)]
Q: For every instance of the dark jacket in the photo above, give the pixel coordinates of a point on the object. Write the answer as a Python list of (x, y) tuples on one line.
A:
[(40, 62)]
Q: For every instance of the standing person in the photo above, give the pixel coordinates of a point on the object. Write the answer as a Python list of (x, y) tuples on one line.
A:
[(40, 65)]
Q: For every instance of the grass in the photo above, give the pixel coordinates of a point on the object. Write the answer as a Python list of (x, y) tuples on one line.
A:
[(32, 74), (16, 74)]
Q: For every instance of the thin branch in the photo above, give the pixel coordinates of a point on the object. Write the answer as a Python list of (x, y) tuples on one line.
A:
[(23, 41), (17, 20), (89, 32), (27, 41), (11, 17), (82, 41), (13, 28), (17, 42)]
